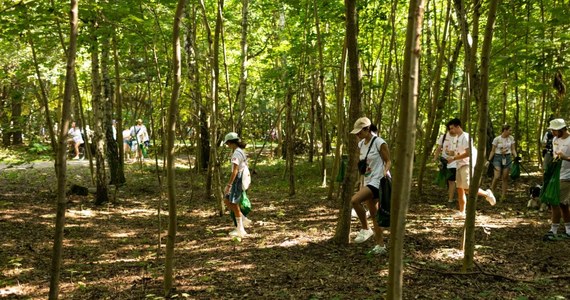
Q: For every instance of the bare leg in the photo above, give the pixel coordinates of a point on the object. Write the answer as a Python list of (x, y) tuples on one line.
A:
[(378, 231), (362, 195), (461, 200), (496, 175), (450, 190)]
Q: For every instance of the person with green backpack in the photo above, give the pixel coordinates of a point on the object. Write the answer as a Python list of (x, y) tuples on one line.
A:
[(556, 191), (240, 178)]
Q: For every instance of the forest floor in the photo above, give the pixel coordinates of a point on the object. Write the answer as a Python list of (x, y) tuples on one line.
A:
[(110, 251)]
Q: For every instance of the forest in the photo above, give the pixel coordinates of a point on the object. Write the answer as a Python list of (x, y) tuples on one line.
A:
[(290, 78)]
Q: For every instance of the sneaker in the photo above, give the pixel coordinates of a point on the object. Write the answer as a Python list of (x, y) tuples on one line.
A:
[(549, 236), (237, 233), (363, 235), (353, 214), (378, 250), (450, 201), (246, 222), (490, 197), (76, 158), (459, 215)]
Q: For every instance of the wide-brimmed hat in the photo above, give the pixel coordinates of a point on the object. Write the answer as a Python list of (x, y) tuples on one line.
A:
[(557, 124), (359, 124), (231, 136), (139, 121)]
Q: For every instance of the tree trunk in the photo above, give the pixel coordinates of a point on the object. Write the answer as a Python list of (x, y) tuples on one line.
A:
[(404, 158), (341, 117), (170, 167), (322, 97), (342, 231), (60, 165), (290, 141), (242, 92), (98, 105), (120, 121), (469, 237), (112, 152)]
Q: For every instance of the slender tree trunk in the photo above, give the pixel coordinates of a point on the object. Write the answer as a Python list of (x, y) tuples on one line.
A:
[(469, 237), (341, 117), (120, 121), (404, 158), (98, 105), (170, 168), (343, 225), (242, 92), (322, 97), (290, 141), (112, 151), (60, 165)]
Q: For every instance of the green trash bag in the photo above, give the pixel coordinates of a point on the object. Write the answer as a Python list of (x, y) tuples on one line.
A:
[(516, 170), (550, 193), (244, 207), (442, 177), (342, 169)]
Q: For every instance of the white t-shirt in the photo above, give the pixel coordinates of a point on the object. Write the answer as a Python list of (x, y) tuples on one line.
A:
[(139, 131), (461, 145), (503, 145), (374, 163), (75, 133), (239, 158), (560, 145), (446, 147), (126, 135)]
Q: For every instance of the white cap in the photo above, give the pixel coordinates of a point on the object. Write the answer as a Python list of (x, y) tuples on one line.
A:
[(231, 136), (359, 124)]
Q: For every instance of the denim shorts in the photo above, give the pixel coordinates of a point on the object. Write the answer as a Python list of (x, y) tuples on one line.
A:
[(235, 191), (498, 161)]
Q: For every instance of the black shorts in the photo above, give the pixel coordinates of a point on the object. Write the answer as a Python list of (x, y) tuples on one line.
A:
[(375, 191), (452, 172)]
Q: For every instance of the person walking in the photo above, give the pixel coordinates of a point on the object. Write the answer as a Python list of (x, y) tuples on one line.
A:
[(233, 190), (140, 134), (443, 150), (501, 156), (561, 151), (374, 164), (461, 148), (76, 138)]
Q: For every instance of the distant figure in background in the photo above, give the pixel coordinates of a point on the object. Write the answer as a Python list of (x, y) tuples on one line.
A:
[(127, 143), (140, 134), (75, 138), (501, 156), (234, 188)]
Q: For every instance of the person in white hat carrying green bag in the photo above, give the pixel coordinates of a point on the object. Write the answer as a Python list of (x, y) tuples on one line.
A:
[(238, 183)]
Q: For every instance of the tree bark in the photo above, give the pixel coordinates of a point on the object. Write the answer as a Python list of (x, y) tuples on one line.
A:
[(60, 164), (242, 92), (404, 157), (98, 105), (170, 167), (342, 231), (469, 237)]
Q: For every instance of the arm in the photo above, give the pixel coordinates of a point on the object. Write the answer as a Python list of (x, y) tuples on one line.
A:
[(459, 156), (437, 152), (514, 149), (385, 154), (235, 170), (492, 154)]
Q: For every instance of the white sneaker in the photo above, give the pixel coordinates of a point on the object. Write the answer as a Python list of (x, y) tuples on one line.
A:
[(490, 197), (459, 215), (246, 222), (363, 235), (237, 233), (353, 214), (76, 158), (378, 250)]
